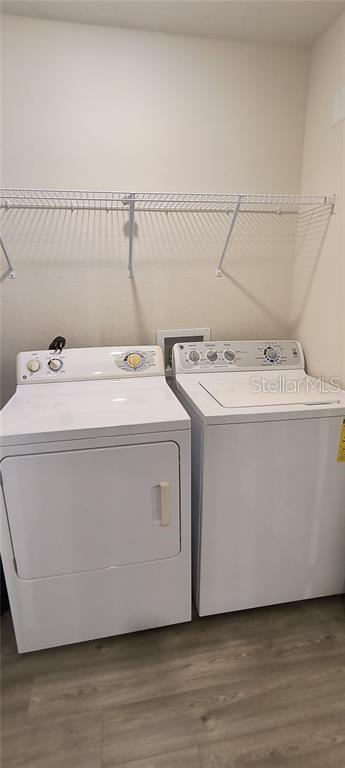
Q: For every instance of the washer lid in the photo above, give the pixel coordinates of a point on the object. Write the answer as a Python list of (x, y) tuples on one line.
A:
[(275, 391), (250, 396), (76, 410)]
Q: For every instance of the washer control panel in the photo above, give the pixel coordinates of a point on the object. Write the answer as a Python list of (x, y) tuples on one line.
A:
[(46, 366), (209, 356)]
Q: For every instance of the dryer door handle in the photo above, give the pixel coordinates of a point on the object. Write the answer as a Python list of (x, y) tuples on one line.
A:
[(165, 518)]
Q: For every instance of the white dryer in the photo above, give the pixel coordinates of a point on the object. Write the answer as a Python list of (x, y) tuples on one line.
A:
[(268, 474), (95, 515)]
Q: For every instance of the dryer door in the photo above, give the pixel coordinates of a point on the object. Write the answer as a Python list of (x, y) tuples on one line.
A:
[(84, 510)]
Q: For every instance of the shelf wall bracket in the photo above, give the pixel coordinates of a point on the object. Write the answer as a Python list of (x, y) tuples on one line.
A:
[(131, 201), (10, 271), (219, 272)]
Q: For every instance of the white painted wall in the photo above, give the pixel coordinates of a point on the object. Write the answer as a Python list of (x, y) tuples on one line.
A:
[(103, 108), (318, 299)]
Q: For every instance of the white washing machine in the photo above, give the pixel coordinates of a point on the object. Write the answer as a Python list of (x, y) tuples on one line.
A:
[(95, 516), (268, 469)]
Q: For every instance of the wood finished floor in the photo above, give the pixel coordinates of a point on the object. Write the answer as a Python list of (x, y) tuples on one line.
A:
[(258, 689)]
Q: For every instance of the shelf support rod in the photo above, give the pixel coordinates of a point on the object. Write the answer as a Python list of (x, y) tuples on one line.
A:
[(11, 271), (131, 200), (219, 272)]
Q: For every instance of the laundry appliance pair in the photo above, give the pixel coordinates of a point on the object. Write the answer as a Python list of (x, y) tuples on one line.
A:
[(95, 473)]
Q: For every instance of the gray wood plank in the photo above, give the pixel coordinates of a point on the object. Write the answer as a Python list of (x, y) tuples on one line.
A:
[(15, 699), (245, 655), (110, 688), (218, 713), (257, 687), (185, 758), (315, 743), (70, 743)]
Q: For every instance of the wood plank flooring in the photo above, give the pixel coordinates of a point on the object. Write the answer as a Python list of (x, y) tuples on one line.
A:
[(263, 689)]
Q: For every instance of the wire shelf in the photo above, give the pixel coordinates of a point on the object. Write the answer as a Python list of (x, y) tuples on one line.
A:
[(168, 202), (232, 205)]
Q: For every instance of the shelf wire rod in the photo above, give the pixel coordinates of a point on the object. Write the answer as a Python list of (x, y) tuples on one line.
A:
[(231, 229), (11, 271), (81, 205), (131, 234), (40, 196)]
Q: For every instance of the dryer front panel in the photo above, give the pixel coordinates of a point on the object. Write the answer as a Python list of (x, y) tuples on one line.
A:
[(92, 509)]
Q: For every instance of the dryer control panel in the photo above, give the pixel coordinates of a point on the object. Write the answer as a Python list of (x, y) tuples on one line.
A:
[(209, 356), (88, 364)]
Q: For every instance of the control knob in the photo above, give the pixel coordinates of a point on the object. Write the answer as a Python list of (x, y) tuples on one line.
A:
[(55, 364), (212, 355), (194, 356), (272, 354), (33, 366), (134, 360), (229, 355)]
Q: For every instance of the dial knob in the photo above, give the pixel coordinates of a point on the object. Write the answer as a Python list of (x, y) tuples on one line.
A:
[(229, 355), (272, 354), (212, 355), (134, 360), (194, 356), (33, 366), (55, 364)]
